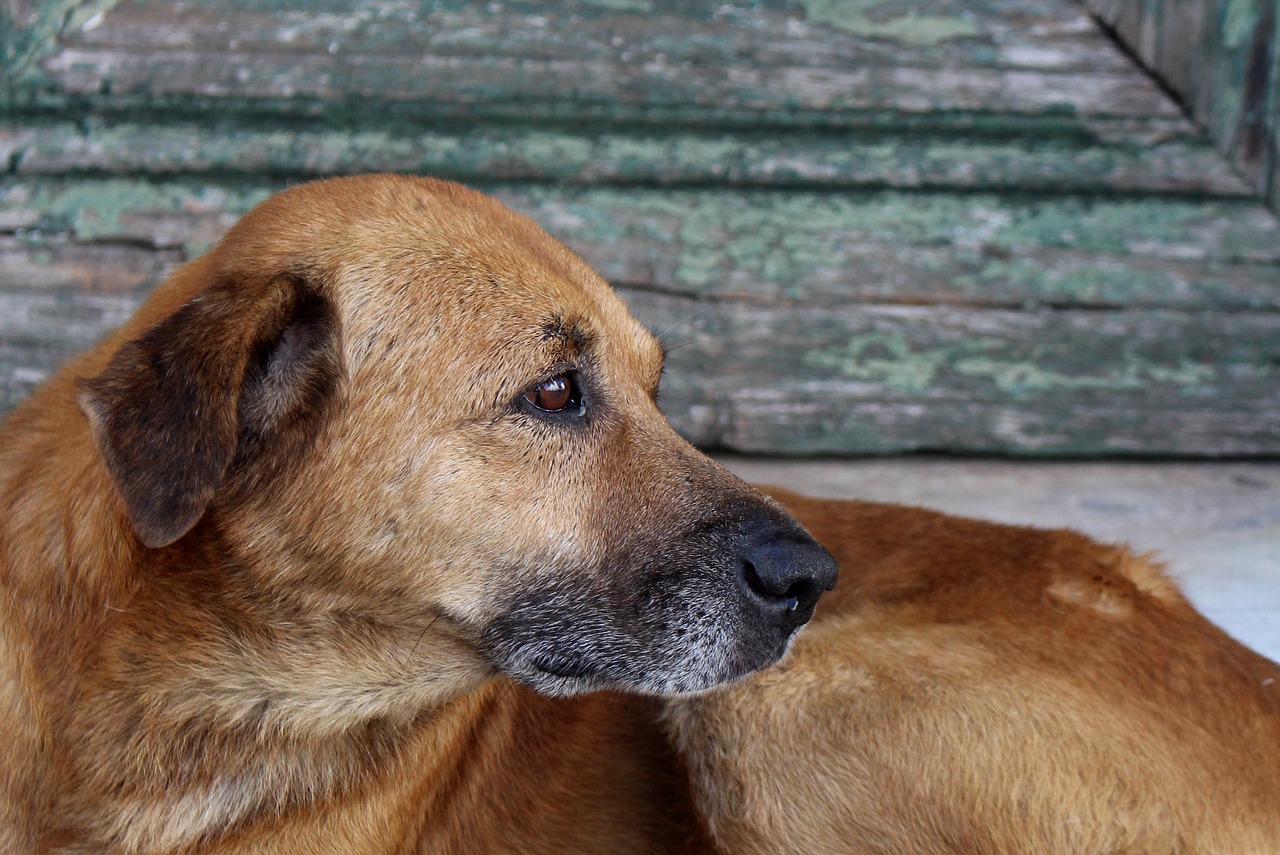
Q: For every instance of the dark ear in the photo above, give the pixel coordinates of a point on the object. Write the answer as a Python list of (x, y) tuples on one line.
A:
[(233, 372)]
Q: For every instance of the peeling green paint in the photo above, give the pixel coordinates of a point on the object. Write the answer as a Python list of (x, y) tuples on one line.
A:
[(891, 359), (980, 249), (24, 42), (733, 171), (533, 151), (102, 209), (894, 361), (1239, 17), (881, 19), (1023, 379), (87, 15), (1106, 281), (643, 6), (1223, 75)]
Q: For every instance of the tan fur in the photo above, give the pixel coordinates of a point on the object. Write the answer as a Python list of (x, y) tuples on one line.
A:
[(302, 665), (254, 548), (978, 688)]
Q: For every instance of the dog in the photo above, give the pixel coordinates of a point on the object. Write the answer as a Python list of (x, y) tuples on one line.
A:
[(268, 548), (366, 534)]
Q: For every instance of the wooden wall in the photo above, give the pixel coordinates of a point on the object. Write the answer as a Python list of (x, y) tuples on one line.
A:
[(862, 226), (1222, 59)]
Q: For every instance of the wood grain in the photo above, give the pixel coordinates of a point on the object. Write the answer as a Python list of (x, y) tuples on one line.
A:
[(863, 226), (1114, 155), (877, 379)]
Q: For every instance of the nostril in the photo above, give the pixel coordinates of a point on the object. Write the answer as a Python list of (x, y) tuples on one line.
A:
[(769, 591), (800, 592), (787, 576), (753, 580), (773, 589)]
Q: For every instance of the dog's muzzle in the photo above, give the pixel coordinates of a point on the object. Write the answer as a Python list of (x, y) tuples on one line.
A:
[(697, 609)]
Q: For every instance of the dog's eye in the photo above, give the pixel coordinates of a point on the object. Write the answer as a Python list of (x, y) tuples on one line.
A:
[(554, 395)]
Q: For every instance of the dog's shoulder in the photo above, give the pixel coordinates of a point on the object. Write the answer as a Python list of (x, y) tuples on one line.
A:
[(945, 566)]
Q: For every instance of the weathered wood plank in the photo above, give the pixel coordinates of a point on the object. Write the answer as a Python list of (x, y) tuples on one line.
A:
[(28, 32), (40, 331), (772, 182), (551, 90), (58, 296), (1042, 34), (188, 215), (875, 379), (57, 264), (770, 349), (783, 247), (1115, 156), (868, 379), (917, 247), (697, 61)]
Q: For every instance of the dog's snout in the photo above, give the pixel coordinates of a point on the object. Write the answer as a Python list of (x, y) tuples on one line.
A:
[(785, 576)]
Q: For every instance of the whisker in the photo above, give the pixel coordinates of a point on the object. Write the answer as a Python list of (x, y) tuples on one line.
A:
[(669, 328), (414, 650), (671, 348)]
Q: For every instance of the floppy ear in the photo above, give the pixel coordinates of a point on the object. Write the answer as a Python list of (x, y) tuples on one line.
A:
[(230, 374)]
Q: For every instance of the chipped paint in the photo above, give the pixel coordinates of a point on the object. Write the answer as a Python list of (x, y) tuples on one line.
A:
[(1018, 369), (1223, 75), (24, 42), (889, 358), (532, 151), (733, 182), (1024, 379), (642, 6), (133, 210), (881, 19), (1239, 17), (88, 15)]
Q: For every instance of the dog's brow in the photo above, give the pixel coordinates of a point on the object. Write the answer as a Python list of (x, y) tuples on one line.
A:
[(574, 337)]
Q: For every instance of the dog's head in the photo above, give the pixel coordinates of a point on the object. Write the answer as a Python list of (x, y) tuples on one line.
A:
[(391, 397)]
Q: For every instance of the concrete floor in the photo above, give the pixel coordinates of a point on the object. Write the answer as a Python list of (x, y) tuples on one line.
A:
[(1216, 525)]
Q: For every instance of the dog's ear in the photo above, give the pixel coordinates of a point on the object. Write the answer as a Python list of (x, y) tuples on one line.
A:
[(230, 375)]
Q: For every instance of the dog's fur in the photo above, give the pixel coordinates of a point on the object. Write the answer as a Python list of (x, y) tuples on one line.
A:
[(979, 688), (292, 564)]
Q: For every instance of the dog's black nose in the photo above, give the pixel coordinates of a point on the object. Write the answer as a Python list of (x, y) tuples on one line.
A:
[(786, 575)]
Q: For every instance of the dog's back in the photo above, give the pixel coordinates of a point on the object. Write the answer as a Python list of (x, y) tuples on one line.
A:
[(973, 687)]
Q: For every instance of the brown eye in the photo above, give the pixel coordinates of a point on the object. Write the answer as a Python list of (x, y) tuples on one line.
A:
[(553, 395)]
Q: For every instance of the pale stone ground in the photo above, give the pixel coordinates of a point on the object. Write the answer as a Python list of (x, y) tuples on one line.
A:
[(1216, 525)]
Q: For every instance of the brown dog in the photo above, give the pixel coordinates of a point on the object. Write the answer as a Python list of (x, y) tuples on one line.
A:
[(385, 443), (272, 552)]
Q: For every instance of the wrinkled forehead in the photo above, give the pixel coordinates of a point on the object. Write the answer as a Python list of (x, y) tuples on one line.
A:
[(485, 291)]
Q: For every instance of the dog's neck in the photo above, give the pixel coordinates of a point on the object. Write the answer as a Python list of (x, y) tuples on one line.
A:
[(202, 708), (228, 708)]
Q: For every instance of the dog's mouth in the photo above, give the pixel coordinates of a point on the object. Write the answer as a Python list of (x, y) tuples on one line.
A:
[(560, 672), (625, 664)]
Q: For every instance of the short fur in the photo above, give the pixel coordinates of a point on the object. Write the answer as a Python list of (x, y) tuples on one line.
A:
[(980, 688), (290, 565)]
